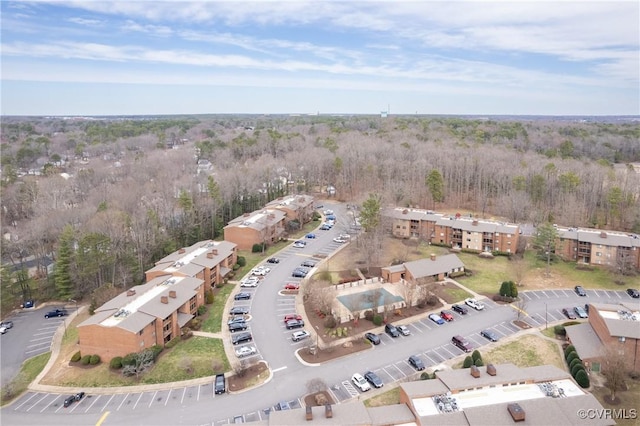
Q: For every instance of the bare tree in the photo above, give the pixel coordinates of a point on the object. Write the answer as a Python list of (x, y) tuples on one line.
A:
[(614, 368), (142, 362), (521, 308), (316, 385), (519, 268)]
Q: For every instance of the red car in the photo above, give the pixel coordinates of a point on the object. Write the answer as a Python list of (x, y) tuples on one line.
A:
[(290, 317), (291, 286), (446, 315)]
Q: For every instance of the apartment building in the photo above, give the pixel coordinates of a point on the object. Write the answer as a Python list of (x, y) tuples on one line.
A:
[(617, 250), (454, 231), (267, 225), (295, 207)]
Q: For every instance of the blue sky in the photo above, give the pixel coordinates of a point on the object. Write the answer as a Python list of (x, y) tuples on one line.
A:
[(425, 57)]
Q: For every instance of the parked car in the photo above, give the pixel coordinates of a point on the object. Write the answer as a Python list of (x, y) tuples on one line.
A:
[(239, 310), (446, 315), (296, 336), (235, 319), (310, 235), (6, 324), (3, 330), (416, 362), (300, 244), (308, 263), (30, 303), (462, 343), (237, 326), (580, 312), (488, 334), (328, 212), (245, 351), (331, 217), (273, 260), (339, 240), (290, 317), (374, 379), (299, 273), (404, 330), (242, 337), (56, 313), (292, 286), (391, 330), (73, 398), (436, 318), (360, 382), (282, 406), (474, 304), (261, 271), (242, 296), (294, 323), (247, 282), (580, 291), (220, 385), (569, 313), (373, 338), (633, 292), (325, 227), (460, 309)]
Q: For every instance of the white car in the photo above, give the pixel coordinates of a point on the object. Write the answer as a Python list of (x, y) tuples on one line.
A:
[(328, 212), (249, 282), (344, 236), (360, 382), (296, 336), (339, 240), (404, 330), (3, 330), (261, 271), (245, 351), (299, 244), (474, 304)]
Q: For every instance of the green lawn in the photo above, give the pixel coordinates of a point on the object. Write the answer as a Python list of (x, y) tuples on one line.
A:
[(28, 372), (215, 312), (454, 295), (487, 273), (390, 397), (527, 351)]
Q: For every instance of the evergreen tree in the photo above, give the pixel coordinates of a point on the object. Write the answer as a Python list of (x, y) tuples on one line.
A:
[(62, 269), (545, 241), (370, 214), (435, 184)]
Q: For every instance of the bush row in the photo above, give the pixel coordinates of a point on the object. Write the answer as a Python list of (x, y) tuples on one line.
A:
[(576, 367), (86, 359), (118, 362)]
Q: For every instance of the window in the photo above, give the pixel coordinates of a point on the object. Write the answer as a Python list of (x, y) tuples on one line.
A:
[(598, 253)]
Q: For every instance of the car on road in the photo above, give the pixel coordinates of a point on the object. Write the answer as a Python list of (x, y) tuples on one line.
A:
[(580, 312), (446, 315), (6, 324), (299, 273), (374, 379), (292, 286), (404, 330), (310, 236), (242, 337), (300, 244), (242, 296), (55, 313), (239, 310), (580, 290), (290, 317), (488, 334), (237, 326), (478, 306), (462, 343), (220, 385), (325, 227), (436, 318), (373, 338), (633, 292), (273, 260), (569, 313), (391, 330), (296, 336), (339, 240), (360, 382), (294, 323), (308, 263), (245, 351), (460, 309), (416, 362)]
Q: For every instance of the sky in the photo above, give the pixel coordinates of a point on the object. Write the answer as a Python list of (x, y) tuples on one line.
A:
[(327, 57)]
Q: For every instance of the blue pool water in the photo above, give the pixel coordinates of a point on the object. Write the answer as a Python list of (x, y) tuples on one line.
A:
[(368, 299)]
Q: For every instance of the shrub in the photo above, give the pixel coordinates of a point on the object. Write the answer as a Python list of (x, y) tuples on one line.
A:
[(468, 362), (478, 362), (572, 355), (115, 363), (95, 360), (505, 290), (330, 322), (339, 331), (574, 362), (577, 367), (76, 357), (156, 349), (368, 315), (92, 306), (171, 343), (202, 309), (85, 360), (129, 359), (425, 376), (559, 330), (186, 333), (208, 297), (257, 248), (582, 379), (568, 350), (377, 319), (242, 261), (236, 266), (514, 289), (475, 355)]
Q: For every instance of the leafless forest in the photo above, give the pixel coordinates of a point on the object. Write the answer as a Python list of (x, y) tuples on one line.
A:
[(123, 192)]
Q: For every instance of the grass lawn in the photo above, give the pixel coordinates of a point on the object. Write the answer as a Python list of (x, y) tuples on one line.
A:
[(454, 295), (527, 351), (215, 311), (488, 274), (28, 372), (390, 397)]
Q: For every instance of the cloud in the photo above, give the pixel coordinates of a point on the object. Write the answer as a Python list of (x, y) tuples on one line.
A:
[(85, 21)]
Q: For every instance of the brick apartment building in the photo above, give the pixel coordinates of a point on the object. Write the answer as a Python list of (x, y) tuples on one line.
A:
[(153, 313), (600, 248), (296, 207), (262, 226), (609, 326), (454, 231), (435, 268)]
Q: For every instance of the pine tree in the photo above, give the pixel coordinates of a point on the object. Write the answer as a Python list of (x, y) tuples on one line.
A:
[(62, 270)]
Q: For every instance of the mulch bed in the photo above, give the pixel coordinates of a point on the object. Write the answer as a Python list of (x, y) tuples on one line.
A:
[(236, 382), (311, 401)]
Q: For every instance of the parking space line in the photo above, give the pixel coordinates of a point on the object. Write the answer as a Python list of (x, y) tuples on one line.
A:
[(97, 397), (428, 357), (450, 353), (123, 400), (52, 401), (535, 293), (105, 405), (28, 399), (136, 404), (184, 392), (397, 368), (168, 397), (418, 329), (153, 399), (41, 399)]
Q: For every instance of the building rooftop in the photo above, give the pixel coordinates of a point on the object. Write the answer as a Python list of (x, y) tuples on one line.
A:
[(433, 266), (475, 225), (622, 320), (599, 236), (290, 201), (258, 220), (585, 340)]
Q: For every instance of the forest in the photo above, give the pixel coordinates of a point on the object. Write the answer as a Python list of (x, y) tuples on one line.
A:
[(105, 197)]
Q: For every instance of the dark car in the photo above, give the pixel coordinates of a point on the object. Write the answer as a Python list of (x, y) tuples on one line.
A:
[(28, 304), (55, 313), (236, 319), (325, 227), (239, 310), (460, 309), (282, 406), (488, 334), (580, 291), (416, 362), (462, 343), (373, 338), (242, 337), (580, 312), (446, 315), (242, 296), (308, 263), (633, 292), (299, 273), (69, 400), (273, 260), (374, 379), (569, 313), (391, 330), (220, 384), (6, 324), (79, 396), (294, 323), (237, 326), (311, 236)]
